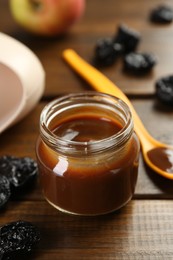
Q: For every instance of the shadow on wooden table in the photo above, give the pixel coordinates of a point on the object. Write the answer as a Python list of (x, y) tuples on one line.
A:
[(164, 185)]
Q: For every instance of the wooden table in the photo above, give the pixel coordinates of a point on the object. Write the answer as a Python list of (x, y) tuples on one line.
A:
[(144, 228)]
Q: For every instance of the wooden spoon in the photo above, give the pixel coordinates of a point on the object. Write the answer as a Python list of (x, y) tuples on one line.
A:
[(158, 156)]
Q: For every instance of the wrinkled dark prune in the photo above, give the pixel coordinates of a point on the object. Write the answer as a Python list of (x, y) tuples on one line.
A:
[(5, 191), (19, 171), (26, 169), (164, 90), (139, 63), (6, 168), (162, 14), (128, 38), (19, 236), (106, 52)]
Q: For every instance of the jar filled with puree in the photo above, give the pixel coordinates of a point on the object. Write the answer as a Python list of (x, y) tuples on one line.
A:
[(87, 153)]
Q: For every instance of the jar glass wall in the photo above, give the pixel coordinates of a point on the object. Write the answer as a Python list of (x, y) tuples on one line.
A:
[(87, 153)]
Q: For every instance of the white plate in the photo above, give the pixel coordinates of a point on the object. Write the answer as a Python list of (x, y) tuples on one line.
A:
[(22, 81)]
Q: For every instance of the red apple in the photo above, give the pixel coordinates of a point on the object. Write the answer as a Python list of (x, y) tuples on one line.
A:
[(47, 17)]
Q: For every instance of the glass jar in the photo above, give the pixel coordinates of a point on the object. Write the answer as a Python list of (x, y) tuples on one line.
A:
[(87, 153)]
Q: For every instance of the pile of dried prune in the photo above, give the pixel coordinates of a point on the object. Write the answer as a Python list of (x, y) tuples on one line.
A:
[(17, 238), (106, 52), (139, 63), (162, 14), (15, 173), (5, 191), (124, 43), (128, 38), (164, 90)]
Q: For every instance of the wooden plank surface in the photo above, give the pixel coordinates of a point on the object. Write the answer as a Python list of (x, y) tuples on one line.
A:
[(141, 230)]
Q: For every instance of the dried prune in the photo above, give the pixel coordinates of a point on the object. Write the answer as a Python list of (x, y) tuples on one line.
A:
[(6, 168), (26, 169), (139, 63), (19, 171), (164, 90), (106, 52), (162, 14), (19, 236), (128, 38), (5, 191)]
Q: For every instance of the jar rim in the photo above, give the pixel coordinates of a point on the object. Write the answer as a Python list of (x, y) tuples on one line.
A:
[(69, 146)]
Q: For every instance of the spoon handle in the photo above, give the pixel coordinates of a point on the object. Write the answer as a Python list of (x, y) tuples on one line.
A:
[(102, 84)]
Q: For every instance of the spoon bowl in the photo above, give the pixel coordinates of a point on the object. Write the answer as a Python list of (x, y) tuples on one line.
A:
[(158, 156)]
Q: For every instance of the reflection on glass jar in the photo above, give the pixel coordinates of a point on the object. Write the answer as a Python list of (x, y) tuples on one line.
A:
[(87, 153)]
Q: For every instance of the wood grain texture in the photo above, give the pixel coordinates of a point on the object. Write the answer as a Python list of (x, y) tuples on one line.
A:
[(140, 230)]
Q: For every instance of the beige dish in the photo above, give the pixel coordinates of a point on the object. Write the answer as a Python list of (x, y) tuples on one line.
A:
[(22, 81)]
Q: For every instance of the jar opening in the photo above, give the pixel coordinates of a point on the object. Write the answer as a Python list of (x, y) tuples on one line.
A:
[(85, 123)]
